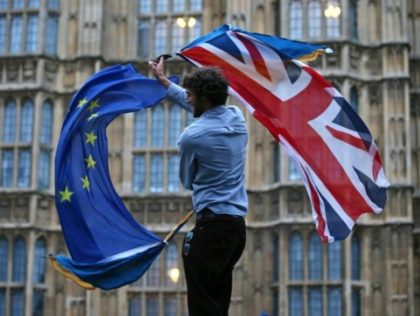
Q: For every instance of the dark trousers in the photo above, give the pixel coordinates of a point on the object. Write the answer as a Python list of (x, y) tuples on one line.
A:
[(209, 255)]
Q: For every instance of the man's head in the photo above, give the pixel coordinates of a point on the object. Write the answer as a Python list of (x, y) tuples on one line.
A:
[(206, 88)]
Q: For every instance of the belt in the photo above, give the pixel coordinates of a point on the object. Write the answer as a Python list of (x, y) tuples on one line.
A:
[(206, 215)]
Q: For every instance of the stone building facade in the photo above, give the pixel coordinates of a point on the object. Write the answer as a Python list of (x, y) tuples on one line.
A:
[(49, 47)]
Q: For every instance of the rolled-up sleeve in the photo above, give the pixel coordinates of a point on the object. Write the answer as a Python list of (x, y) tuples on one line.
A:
[(188, 162), (178, 94)]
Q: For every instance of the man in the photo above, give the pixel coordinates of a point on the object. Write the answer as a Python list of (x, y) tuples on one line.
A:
[(212, 164)]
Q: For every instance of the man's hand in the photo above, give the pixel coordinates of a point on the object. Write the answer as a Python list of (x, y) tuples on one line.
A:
[(158, 70)]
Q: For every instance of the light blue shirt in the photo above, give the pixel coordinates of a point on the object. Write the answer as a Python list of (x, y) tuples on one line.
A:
[(212, 157)]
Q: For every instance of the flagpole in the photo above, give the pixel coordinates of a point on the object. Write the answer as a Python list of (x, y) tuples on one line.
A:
[(178, 226)]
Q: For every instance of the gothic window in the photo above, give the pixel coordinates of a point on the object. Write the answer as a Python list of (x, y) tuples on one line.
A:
[(295, 257), (19, 260), (173, 170), (315, 301), (175, 124), (158, 126), (17, 302), (4, 4), (4, 255), (33, 3), (152, 304), (296, 301), (353, 20), (294, 173), (54, 4), (46, 123), (7, 164), (39, 261), (162, 6), (355, 258), (3, 38), (178, 5), (32, 30), (296, 19), (156, 173), (335, 301), (153, 275), (354, 99), (143, 39), (24, 168), (16, 38), (172, 268), (276, 162), (160, 38), (168, 24), (9, 130), (134, 305), (26, 121), (315, 19), (18, 4), (40, 253), (145, 6), (139, 173), (315, 257), (171, 305), (334, 261), (51, 35), (140, 126)]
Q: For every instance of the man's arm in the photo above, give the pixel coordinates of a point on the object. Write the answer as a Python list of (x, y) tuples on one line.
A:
[(174, 92), (187, 162)]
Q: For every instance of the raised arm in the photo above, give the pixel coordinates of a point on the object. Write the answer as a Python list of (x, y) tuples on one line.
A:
[(175, 92)]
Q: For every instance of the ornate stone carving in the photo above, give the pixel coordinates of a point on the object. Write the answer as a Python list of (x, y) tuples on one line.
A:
[(12, 72), (29, 70), (50, 71), (375, 94), (355, 56)]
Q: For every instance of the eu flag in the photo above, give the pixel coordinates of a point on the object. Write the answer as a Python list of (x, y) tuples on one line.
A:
[(108, 247)]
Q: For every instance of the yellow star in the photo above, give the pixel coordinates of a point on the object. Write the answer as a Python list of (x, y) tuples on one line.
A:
[(86, 183), (82, 103), (90, 138), (66, 194), (94, 115), (93, 104), (90, 162)]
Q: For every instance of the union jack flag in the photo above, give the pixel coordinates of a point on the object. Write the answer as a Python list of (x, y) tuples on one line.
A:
[(338, 159)]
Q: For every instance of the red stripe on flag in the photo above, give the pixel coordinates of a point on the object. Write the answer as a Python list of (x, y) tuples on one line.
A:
[(258, 60), (347, 138)]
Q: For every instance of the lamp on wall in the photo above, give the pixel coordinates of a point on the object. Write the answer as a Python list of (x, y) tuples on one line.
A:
[(333, 9), (174, 274), (186, 22)]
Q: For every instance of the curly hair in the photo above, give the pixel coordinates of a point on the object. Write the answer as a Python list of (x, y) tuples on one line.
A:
[(207, 83)]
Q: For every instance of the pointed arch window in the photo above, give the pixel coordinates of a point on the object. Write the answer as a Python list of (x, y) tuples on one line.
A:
[(172, 268), (334, 261), (175, 126), (145, 6), (7, 168), (24, 168), (315, 258), (173, 170), (139, 173), (296, 19), (51, 34), (19, 260), (39, 261), (46, 123), (315, 19), (295, 257), (26, 121), (4, 259), (16, 34), (140, 129), (32, 30), (158, 126), (354, 99), (143, 39), (9, 129), (160, 37), (353, 20)]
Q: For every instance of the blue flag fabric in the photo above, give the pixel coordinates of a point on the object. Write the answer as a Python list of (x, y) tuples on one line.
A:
[(108, 247)]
